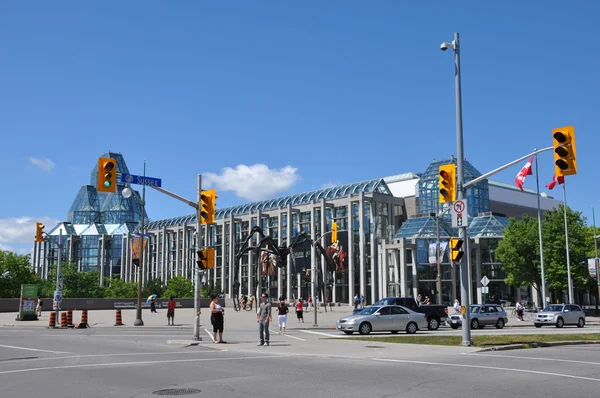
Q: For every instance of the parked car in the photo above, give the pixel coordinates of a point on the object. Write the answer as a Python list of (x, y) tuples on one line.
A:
[(386, 318), (436, 314), (560, 315), (481, 316)]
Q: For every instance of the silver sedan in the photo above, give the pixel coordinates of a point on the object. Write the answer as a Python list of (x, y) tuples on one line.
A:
[(386, 318)]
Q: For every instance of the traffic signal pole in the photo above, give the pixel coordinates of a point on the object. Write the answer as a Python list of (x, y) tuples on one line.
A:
[(198, 273)]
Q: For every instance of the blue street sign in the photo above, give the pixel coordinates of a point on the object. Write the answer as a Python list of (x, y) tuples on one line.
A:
[(140, 180)]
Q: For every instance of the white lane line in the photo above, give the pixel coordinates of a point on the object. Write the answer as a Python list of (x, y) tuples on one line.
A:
[(321, 333), (140, 363), (458, 365), (128, 354), (287, 335), (209, 335), (533, 358), (32, 349)]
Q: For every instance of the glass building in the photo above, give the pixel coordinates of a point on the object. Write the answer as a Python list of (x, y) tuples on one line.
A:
[(388, 230)]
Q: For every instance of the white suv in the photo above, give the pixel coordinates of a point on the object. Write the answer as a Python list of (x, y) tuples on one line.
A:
[(560, 315)]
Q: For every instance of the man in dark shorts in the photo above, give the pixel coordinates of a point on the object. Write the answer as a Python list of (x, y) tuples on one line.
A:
[(171, 311)]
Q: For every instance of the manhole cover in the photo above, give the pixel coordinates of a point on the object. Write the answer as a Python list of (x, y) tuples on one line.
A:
[(374, 346), (177, 391)]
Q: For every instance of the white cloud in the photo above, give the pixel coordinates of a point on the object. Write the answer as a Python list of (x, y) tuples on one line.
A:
[(255, 182), (46, 165), (331, 184), (21, 230)]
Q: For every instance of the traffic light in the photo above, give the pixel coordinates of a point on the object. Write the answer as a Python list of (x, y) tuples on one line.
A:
[(447, 183), (334, 230), (107, 175), (565, 158), (208, 204), (206, 258), (39, 229), (455, 253)]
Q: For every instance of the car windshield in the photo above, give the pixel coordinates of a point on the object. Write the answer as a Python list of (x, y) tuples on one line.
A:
[(369, 310), (474, 309), (553, 308)]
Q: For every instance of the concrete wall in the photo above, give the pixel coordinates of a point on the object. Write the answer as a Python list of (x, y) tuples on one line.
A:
[(12, 305)]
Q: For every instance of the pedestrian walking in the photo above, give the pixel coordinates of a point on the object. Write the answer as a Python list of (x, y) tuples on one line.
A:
[(362, 301), (356, 301), (456, 306), (152, 305), (282, 309), (309, 303), (217, 319), (171, 312), (519, 307), (263, 318), (300, 310), (38, 308)]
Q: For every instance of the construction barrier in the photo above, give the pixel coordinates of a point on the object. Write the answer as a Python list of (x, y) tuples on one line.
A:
[(84, 320), (63, 319), (52, 321), (70, 318), (119, 321)]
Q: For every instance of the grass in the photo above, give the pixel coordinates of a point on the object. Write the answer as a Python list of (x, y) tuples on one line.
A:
[(483, 341)]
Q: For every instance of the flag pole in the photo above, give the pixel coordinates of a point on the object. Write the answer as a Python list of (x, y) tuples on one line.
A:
[(569, 283), (539, 216)]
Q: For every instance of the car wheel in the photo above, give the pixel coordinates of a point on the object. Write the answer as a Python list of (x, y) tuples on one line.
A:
[(474, 324), (537, 325), (394, 331), (560, 323), (348, 332), (581, 323), (411, 328), (364, 328), (454, 326), (433, 323), (500, 324)]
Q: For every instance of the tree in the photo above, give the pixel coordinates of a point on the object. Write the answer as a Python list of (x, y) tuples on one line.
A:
[(519, 253), (210, 289), (179, 287), (121, 289), (15, 270), (75, 284), (153, 286)]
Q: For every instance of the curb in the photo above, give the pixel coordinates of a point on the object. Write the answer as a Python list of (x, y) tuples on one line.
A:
[(538, 345)]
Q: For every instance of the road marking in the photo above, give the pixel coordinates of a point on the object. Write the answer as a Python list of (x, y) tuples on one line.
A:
[(458, 365), (533, 358), (321, 333), (287, 335), (32, 349), (210, 335), (140, 363)]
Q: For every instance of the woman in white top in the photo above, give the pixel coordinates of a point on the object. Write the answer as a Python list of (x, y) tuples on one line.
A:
[(283, 310)]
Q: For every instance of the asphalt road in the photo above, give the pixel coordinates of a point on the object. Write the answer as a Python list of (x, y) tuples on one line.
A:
[(132, 362)]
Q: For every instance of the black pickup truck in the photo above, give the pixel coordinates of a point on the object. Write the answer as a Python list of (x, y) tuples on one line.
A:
[(436, 314)]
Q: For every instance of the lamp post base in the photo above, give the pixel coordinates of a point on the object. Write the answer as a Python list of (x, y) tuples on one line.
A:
[(138, 318)]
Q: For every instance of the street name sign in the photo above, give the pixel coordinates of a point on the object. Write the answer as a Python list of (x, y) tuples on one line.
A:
[(141, 180)]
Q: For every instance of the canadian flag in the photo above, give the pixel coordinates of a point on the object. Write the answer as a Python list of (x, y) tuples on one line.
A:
[(525, 171), (555, 180)]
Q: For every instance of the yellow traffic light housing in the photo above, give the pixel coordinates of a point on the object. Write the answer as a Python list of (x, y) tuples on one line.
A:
[(455, 250), (565, 158), (107, 175), (206, 258), (208, 204), (39, 230), (334, 231), (447, 183)]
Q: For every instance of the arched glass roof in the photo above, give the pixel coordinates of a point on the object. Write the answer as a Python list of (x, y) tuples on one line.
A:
[(424, 227), (488, 226), (340, 191)]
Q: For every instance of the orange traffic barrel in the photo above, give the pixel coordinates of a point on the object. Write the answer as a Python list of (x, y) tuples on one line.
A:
[(119, 320), (84, 320), (52, 321), (70, 318), (63, 319)]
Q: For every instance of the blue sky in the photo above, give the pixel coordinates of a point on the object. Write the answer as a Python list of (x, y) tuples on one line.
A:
[(278, 97)]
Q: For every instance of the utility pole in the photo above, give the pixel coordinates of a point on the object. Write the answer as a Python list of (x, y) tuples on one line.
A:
[(198, 273), (596, 260)]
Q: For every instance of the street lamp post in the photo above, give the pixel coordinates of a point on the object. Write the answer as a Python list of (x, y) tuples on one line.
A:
[(460, 177), (596, 259)]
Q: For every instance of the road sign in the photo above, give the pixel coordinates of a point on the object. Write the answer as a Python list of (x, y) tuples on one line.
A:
[(485, 281), (59, 284), (141, 180), (485, 290), (458, 213)]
